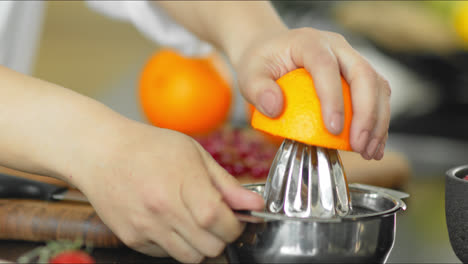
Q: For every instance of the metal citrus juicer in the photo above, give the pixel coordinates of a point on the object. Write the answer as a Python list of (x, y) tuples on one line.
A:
[(308, 217), (307, 181)]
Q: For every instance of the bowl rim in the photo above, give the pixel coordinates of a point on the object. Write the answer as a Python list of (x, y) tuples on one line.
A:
[(371, 190), (451, 173)]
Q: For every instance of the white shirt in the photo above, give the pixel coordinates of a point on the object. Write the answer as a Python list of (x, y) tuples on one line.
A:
[(21, 22)]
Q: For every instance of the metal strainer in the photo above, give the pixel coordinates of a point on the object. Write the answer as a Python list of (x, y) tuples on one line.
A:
[(307, 181)]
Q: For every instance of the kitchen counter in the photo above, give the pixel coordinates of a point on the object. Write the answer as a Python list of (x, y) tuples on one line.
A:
[(10, 250), (421, 234)]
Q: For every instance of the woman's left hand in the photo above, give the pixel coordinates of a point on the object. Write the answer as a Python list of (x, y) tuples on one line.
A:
[(326, 56)]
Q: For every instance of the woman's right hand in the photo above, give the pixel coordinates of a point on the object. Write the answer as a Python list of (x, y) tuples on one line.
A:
[(161, 193), (158, 190)]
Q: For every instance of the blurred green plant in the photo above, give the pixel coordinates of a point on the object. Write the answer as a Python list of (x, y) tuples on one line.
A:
[(455, 13), (444, 8), (427, 209)]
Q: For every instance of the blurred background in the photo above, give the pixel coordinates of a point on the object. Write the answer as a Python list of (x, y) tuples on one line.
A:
[(419, 46)]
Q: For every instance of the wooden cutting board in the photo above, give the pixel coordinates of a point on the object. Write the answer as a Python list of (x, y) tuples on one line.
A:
[(38, 221)]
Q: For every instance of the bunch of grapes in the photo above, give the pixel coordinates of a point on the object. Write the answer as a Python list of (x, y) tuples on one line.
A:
[(241, 152)]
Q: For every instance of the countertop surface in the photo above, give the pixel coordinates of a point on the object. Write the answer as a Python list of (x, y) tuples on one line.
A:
[(421, 233), (11, 250)]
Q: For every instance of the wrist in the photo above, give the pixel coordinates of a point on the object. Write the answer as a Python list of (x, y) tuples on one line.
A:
[(91, 146), (236, 44)]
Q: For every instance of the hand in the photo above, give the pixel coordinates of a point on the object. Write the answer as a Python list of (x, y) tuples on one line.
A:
[(262, 49), (162, 193), (325, 55)]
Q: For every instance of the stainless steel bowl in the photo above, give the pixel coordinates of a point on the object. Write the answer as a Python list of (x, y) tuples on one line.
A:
[(366, 235)]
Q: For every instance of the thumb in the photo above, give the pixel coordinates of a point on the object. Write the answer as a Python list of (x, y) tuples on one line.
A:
[(239, 198), (235, 196), (264, 93)]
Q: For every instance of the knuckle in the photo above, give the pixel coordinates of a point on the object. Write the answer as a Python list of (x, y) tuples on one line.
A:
[(305, 38), (198, 259), (386, 87), (383, 126), (325, 60), (367, 72), (371, 119), (216, 250), (335, 103), (337, 37), (132, 241), (363, 70), (247, 87), (156, 202), (379, 137), (381, 132), (208, 217), (140, 225), (386, 122), (306, 30), (184, 254), (191, 257)]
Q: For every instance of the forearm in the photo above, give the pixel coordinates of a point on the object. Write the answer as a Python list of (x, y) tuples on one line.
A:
[(49, 130), (229, 25)]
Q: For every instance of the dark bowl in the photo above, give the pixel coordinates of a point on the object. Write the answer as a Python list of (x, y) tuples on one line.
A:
[(456, 210)]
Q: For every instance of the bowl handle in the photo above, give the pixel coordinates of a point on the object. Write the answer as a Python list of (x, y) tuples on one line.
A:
[(394, 193)]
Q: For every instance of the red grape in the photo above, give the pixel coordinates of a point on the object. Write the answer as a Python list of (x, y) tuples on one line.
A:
[(240, 151), (259, 171)]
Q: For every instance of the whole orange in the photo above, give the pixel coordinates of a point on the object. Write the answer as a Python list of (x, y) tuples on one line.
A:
[(184, 93)]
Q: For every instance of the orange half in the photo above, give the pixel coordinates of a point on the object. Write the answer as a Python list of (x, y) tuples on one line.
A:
[(301, 119)]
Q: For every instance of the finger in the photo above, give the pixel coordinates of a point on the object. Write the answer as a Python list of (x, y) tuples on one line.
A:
[(204, 242), (152, 249), (178, 248), (377, 137), (380, 131), (364, 84), (379, 154), (208, 209), (324, 69), (365, 111), (236, 196), (159, 239), (172, 214), (264, 93)]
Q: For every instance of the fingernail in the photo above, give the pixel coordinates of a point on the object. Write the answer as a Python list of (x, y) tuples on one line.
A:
[(377, 150), (336, 123), (364, 155), (268, 103), (380, 152), (372, 147), (362, 140)]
